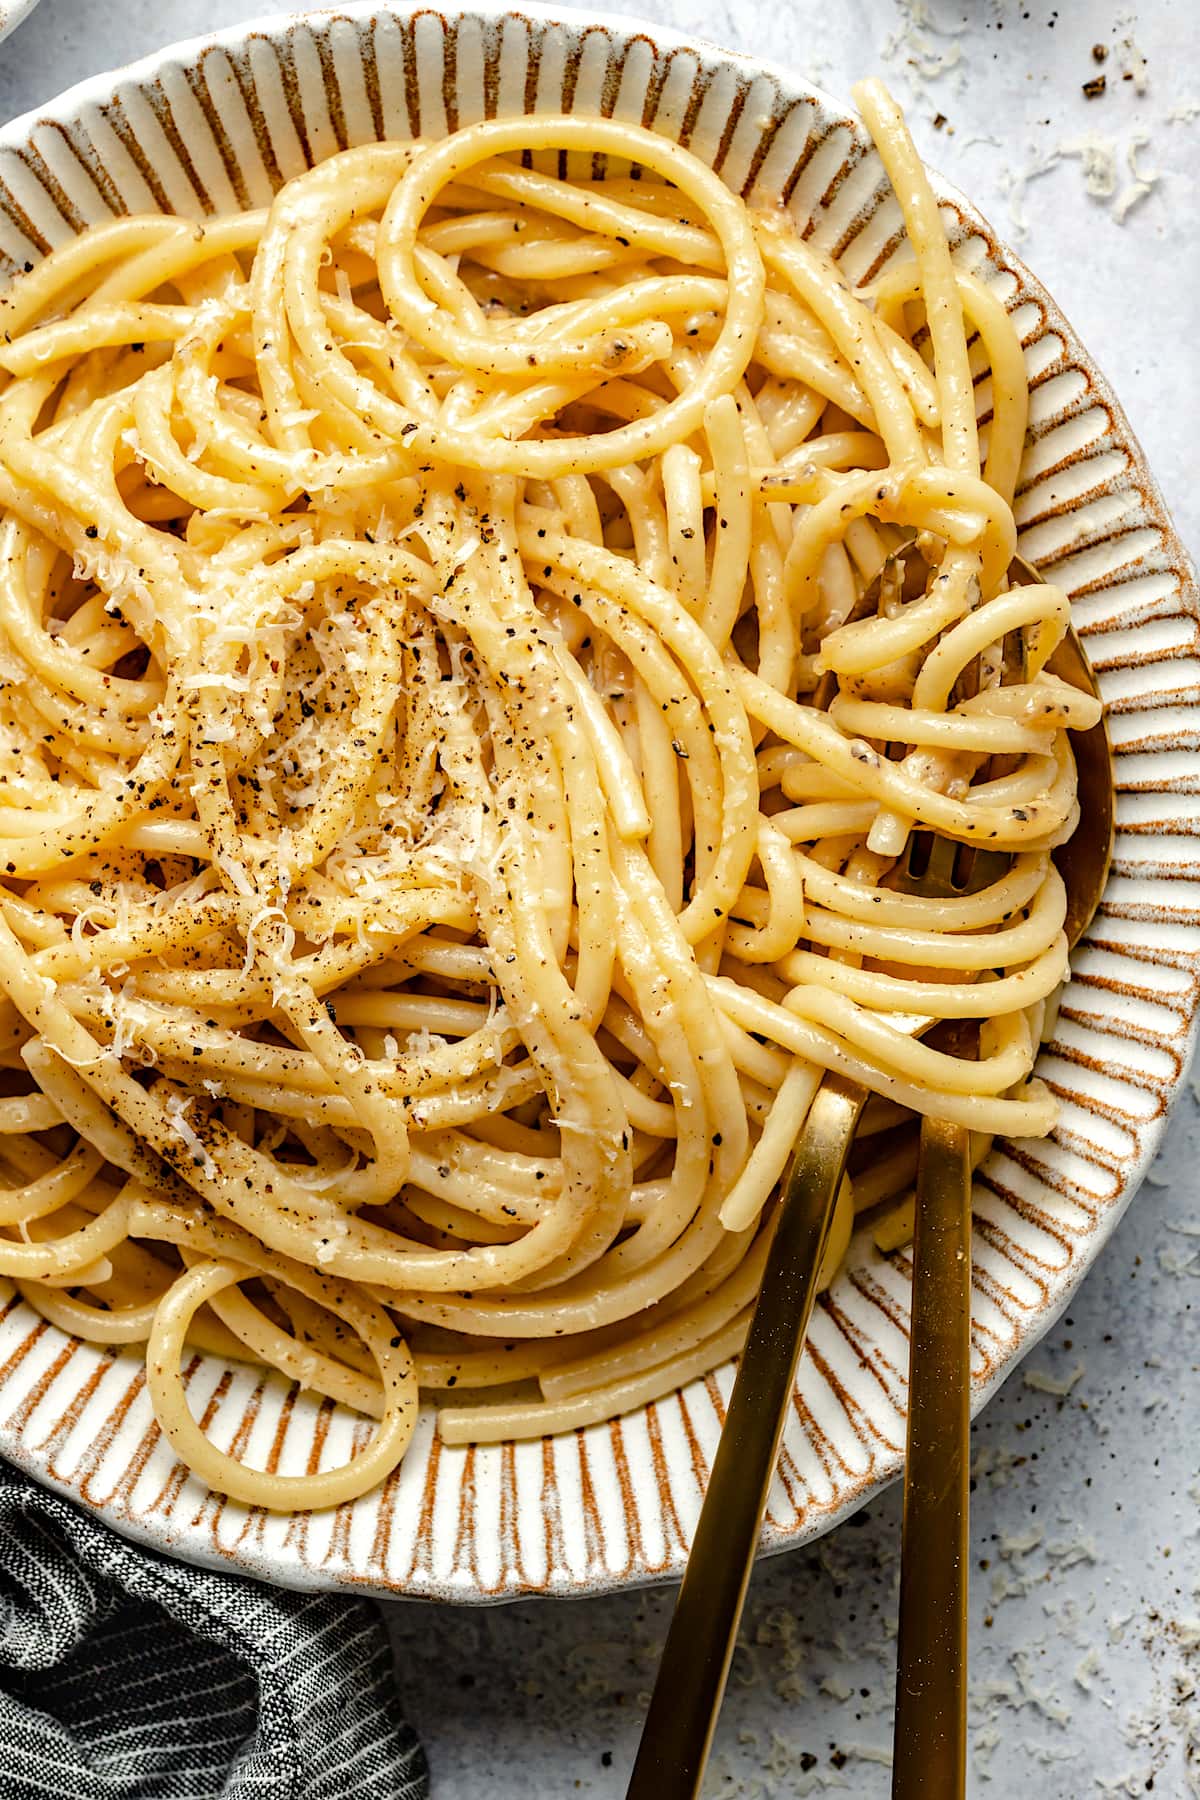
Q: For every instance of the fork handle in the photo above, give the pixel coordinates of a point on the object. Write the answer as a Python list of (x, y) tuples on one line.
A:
[(930, 1752), (695, 1662)]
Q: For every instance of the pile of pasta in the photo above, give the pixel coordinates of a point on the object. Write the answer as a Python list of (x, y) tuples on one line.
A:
[(462, 719)]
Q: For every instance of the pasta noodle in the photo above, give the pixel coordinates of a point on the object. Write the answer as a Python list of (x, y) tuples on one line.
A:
[(463, 721)]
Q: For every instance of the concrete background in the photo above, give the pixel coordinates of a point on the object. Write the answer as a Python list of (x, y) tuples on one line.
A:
[(1085, 1614)]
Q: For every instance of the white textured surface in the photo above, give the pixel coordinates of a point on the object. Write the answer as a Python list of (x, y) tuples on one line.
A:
[(1089, 1671)]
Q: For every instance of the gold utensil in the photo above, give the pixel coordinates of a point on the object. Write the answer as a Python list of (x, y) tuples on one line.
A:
[(930, 1744), (682, 1716), (695, 1661), (686, 1700)]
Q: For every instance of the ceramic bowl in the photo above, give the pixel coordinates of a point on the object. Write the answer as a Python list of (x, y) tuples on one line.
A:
[(218, 123), (12, 13)]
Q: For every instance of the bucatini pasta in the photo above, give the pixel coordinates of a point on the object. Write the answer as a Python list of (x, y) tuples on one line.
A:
[(460, 723)]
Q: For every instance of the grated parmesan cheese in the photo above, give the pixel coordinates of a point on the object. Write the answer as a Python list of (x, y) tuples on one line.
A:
[(1060, 1386), (925, 48), (1086, 1672), (1130, 57), (176, 1110), (1097, 156), (1142, 181)]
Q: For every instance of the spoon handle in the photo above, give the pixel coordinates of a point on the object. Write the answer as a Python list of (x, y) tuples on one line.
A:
[(929, 1760), (695, 1661)]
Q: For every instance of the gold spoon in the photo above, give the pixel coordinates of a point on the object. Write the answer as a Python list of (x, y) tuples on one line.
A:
[(686, 1700)]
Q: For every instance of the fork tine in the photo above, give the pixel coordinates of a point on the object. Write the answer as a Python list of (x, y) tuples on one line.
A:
[(939, 871), (988, 866), (888, 578), (941, 868)]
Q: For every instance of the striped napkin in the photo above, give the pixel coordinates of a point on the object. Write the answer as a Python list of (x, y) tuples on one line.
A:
[(126, 1676)]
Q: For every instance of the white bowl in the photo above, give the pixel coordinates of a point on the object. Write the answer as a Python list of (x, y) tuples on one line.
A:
[(218, 123), (11, 14)]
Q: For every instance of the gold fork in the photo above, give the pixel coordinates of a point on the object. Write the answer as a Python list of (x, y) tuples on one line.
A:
[(931, 1664), (930, 1744), (686, 1700), (695, 1662)]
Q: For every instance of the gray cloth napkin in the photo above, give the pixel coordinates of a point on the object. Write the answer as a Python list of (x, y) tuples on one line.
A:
[(126, 1676)]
